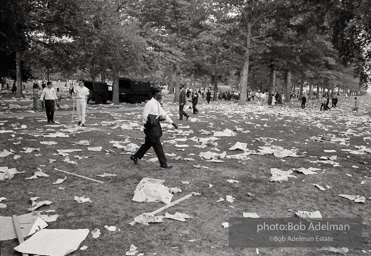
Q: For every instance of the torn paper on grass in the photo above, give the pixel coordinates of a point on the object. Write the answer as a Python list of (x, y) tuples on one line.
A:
[(279, 175), (252, 215), (278, 151), (225, 133), (212, 156), (307, 171), (146, 218), (96, 149), (177, 216), (35, 205), (49, 218), (82, 143), (106, 175), (56, 242), (6, 173), (82, 199), (29, 224), (49, 143), (38, 174), (60, 181), (308, 215), (355, 198), (111, 228), (152, 190), (5, 153), (95, 233), (132, 251), (239, 146)]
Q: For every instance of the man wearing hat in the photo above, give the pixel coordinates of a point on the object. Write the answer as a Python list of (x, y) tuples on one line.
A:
[(152, 115)]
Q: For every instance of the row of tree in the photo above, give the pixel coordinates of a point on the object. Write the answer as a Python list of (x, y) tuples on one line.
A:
[(248, 43)]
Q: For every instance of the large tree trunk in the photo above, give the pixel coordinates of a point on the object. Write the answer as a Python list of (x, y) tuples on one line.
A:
[(310, 91), (171, 80), (272, 82), (317, 95), (245, 69), (115, 88), (177, 80), (288, 86), (301, 87), (214, 82), (18, 63)]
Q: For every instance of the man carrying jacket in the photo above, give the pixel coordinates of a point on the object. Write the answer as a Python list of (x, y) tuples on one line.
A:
[(152, 129)]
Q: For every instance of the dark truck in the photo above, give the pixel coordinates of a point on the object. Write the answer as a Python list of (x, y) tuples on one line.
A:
[(134, 91), (98, 92)]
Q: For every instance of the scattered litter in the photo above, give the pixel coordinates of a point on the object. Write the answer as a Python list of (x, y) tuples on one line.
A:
[(319, 187), (106, 175), (60, 181), (2, 206), (53, 242), (342, 250), (132, 251), (96, 149), (82, 143), (211, 155), (6, 173), (239, 146), (229, 199), (35, 205), (50, 218), (152, 190), (96, 233), (111, 228), (185, 182), (37, 174), (355, 198), (252, 215), (82, 199), (175, 190), (177, 216), (5, 153), (308, 215), (232, 181), (225, 225), (29, 224), (307, 171), (279, 175), (225, 133), (83, 248), (49, 143), (147, 218)]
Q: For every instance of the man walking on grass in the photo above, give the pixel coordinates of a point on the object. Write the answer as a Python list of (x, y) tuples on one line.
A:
[(49, 95), (182, 102), (152, 115), (81, 96)]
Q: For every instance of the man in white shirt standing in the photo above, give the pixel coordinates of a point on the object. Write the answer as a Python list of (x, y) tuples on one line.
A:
[(153, 109), (49, 95), (81, 96)]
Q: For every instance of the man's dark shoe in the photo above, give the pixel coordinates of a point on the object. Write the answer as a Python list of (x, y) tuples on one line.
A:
[(79, 123), (166, 166), (83, 125), (52, 122), (187, 117), (135, 159)]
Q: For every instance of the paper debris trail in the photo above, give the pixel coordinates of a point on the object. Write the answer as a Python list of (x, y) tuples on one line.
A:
[(82, 143), (29, 224), (308, 171), (37, 174), (252, 215), (225, 133), (319, 187), (106, 175), (152, 190), (2, 206), (225, 225), (35, 205), (30, 150), (177, 216), (211, 155), (239, 146), (50, 218), (64, 151), (96, 149), (132, 251), (309, 215), (329, 151), (229, 199), (96, 233), (49, 143), (342, 250), (355, 198), (82, 199), (111, 228), (278, 151), (147, 218), (68, 160), (232, 181), (56, 135), (279, 175), (56, 242), (5, 153), (6, 173), (83, 248), (60, 181)]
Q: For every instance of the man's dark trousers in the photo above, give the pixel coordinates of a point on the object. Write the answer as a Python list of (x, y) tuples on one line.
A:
[(181, 112), (157, 147), (49, 107)]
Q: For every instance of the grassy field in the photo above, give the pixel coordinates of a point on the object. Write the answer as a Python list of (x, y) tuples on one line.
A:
[(287, 126)]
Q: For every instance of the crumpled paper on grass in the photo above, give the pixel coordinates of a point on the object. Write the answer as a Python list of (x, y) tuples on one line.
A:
[(239, 146), (35, 205), (308, 215), (82, 199), (279, 175), (60, 181), (152, 190), (225, 133), (146, 218), (355, 198), (5, 153), (132, 251), (277, 151), (252, 215), (6, 173), (307, 171), (177, 216), (38, 174), (211, 155), (56, 242)]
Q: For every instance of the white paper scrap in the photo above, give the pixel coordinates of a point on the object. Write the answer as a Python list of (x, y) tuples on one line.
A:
[(82, 199), (56, 242)]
